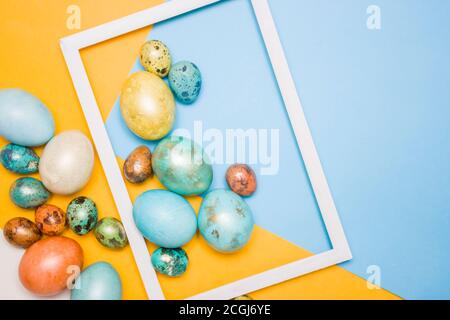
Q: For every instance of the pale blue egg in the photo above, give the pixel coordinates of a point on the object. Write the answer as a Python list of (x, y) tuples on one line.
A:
[(99, 281), (225, 220), (182, 166), (185, 80), (164, 218), (24, 119)]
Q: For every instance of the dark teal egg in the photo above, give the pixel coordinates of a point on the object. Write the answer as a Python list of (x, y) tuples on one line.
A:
[(171, 262), (82, 215), (185, 80), (19, 159), (28, 193)]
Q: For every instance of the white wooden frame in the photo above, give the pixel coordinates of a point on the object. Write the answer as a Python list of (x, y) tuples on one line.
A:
[(71, 46)]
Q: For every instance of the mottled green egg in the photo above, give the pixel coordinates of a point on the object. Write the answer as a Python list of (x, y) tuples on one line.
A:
[(111, 233), (28, 193), (155, 58), (171, 262), (19, 159), (82, 215)]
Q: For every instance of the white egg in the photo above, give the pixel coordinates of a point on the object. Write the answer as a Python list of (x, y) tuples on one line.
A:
[(66, 162)]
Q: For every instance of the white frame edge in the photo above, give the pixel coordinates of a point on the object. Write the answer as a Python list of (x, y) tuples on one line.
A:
[(71, 47)]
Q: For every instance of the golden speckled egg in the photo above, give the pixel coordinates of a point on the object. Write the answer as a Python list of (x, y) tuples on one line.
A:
[(21, 232), (147, 106), (155, 58)]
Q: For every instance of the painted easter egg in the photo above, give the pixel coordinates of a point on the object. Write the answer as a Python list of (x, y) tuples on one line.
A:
[(21, 232), (243, 297), (66, 162), (24, 119), (48, 266), (147, 106), (182, 166), (164, 218), (241, 179), (225, 221), (19, 159), (99, 281), (185, 80), (171, 262), (28, 193), (138, 166), (155, 58), (82, 215), (50, 219), (111, 233)]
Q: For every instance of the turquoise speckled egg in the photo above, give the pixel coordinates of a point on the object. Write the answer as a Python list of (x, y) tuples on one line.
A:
[(28, 193), (19, 159), (185, 80), (164, 218), (182, 166), (171, 262), (24, 120), (225, 220), (99, 281), (82, 215)]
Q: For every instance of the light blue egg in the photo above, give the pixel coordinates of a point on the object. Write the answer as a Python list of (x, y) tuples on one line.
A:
[(182, 166), (185, 80), (225, 220), (19, 159), (28, 193), (164, 218), (99, 281), (24, 120)]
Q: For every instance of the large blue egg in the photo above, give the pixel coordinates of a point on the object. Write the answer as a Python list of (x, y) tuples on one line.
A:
[(225, 220), (24, 119), (185, 80), (28, 193), (19, 159), (182, 166), (99, 281), (164, 218)]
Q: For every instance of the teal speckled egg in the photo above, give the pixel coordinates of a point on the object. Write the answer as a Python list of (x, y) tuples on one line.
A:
[(164, 218), (28, 193), (111, 233), (99, 281), (171, 262), (24, 119), (182, 166), (19, 159), (185, 80), (225, 220), (82, 215)]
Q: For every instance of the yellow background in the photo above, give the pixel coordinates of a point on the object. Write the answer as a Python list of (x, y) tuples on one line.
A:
[(30, 58)]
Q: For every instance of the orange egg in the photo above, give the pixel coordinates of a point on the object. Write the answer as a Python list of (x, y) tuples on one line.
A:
[(50, 219), (49, 265)]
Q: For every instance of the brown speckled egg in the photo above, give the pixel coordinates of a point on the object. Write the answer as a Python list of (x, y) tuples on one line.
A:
[(50, 219), (241, 179), (21, 232), (49, 265), (138, 166)]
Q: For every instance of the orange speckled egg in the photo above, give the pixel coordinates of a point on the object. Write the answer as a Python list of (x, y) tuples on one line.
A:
[(48, 265), (50, 219)]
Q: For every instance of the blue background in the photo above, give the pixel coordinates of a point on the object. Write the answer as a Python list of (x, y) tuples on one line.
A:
[(378, 105)]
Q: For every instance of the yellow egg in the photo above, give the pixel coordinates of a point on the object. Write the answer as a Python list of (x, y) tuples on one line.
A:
[(155, 58), (147, 106)]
